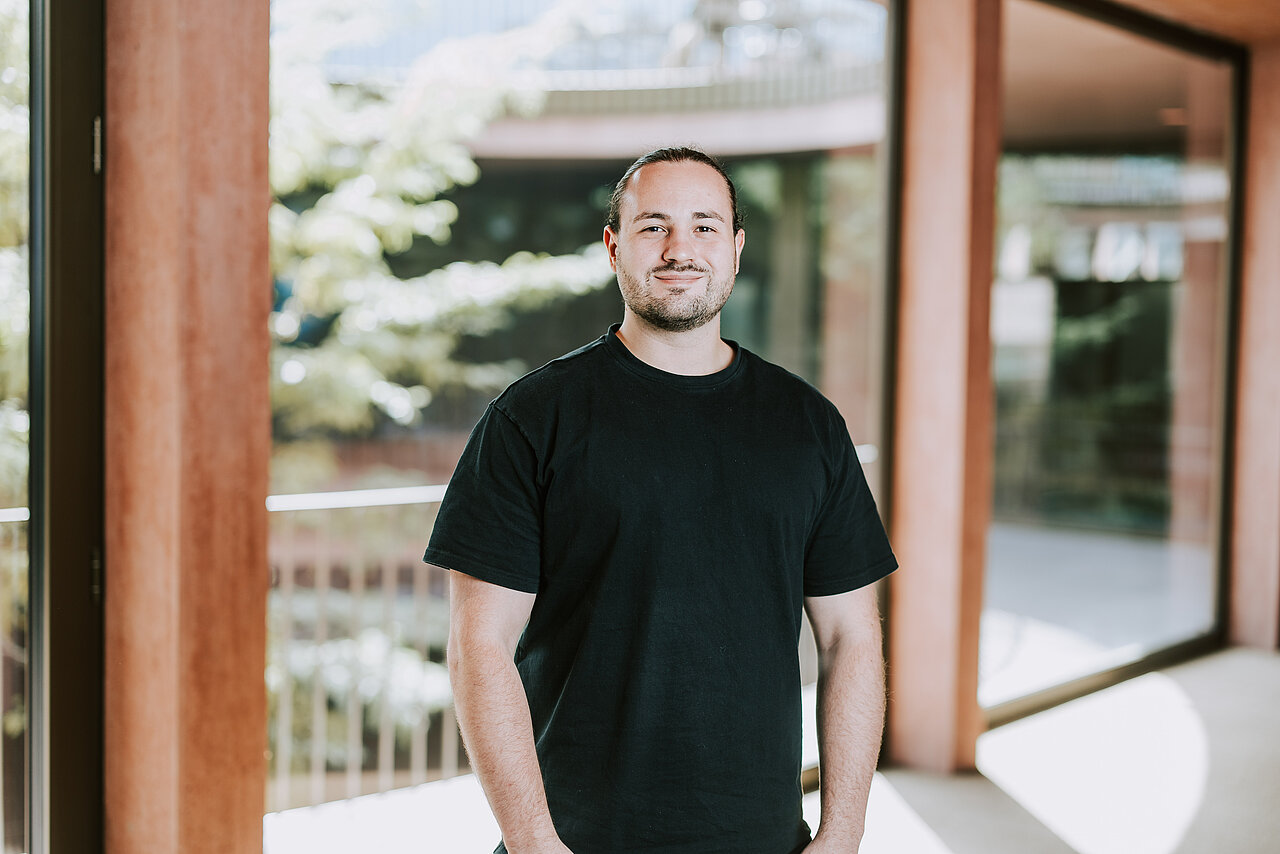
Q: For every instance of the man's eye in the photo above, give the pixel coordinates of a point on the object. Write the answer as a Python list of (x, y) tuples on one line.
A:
[(710, 228)]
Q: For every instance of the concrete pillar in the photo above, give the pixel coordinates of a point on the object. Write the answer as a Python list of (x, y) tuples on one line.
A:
[(1254, 614), (187, 424), (943, 423)]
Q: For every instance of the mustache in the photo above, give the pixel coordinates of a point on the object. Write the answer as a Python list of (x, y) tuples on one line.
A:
[(678, 268)]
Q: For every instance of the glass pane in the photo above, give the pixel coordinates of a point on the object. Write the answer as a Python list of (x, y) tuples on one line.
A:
[(441, 174), (15, 422), (1108, 312)]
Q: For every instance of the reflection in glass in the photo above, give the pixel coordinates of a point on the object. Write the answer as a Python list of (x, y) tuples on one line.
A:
[(15, 422), (441, 175), (1107, 317)]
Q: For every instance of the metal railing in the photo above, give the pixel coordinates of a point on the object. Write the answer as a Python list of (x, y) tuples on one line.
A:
[(664, 56), (611, 91), (358, 690)]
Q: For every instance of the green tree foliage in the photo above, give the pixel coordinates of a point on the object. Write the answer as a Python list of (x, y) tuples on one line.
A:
[(361, 167), (360, 170)]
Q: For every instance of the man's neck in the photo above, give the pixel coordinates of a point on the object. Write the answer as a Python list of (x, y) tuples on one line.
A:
[(697, 352)]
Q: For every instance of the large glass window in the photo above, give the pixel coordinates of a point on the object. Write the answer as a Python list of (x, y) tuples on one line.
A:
[(441, 176), (15, 422), (1108, 312)]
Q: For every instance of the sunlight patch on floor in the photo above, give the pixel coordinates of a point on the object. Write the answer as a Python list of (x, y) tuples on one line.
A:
[(1122, 771), (449, 817), (893, 827)]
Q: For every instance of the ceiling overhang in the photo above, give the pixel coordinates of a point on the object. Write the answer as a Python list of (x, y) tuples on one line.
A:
[(1248, 22)]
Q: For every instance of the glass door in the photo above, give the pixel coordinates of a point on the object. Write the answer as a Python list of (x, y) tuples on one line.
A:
[(1108, 316)]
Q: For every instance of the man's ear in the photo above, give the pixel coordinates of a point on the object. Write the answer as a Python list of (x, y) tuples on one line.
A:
[(611, 246), (739, 240)]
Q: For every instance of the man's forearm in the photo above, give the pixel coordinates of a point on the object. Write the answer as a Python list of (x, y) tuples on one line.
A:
[(493, 714), (850, 726)]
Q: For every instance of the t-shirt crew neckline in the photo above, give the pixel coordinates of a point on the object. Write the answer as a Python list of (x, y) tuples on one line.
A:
[(636, 365)]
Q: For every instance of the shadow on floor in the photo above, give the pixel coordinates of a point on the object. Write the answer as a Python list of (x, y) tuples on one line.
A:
[(972, 815)]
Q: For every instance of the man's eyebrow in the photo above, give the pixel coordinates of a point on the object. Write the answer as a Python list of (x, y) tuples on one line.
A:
[(667, 218)]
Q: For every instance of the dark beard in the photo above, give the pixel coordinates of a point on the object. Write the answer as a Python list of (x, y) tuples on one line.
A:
[(668, 323), (655, 313)]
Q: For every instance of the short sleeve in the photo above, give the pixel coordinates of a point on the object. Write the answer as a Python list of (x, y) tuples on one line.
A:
[(848, 547), (489, 520)]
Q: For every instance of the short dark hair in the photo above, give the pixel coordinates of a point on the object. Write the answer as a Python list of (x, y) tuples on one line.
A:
[(670, 155)]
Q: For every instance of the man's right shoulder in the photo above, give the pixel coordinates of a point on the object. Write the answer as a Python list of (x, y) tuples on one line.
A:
[(554, 380)]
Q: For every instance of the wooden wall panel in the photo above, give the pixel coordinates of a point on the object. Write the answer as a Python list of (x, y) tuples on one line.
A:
[(943, 421), (1254, 614), (188, 424)]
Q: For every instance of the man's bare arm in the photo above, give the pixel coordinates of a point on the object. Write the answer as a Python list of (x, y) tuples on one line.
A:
[(850, 712), (485, 622)]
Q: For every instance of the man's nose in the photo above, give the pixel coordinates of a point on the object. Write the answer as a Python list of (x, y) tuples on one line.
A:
[(678, 247)]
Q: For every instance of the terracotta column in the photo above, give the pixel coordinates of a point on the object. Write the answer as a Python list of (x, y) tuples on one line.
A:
[(1254, 617), (943, 423), (187, 421)]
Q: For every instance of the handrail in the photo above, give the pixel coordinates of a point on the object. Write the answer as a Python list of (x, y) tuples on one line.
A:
[(390, 497), (313, 500), (351, 498), (405, 495)]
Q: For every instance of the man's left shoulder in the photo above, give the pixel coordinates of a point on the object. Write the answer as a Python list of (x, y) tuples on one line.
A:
[(791, 389)]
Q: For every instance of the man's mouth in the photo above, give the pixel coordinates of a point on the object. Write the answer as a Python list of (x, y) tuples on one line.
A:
[(682, 274)]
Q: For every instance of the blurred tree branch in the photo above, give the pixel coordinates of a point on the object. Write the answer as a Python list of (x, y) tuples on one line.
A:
[(359, 170)]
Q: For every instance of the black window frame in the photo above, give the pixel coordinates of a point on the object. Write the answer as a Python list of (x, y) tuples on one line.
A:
[(67, 353)]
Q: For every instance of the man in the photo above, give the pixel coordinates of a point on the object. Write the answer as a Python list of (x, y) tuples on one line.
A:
[(634, 529)]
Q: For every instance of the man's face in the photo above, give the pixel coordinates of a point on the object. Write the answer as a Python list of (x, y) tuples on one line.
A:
[(675, 251)]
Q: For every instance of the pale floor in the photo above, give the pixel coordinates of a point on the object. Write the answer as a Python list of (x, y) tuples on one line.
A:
[(1181, 761)]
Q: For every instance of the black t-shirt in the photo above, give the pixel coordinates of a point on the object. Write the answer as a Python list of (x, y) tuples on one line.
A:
[(670, 527)]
